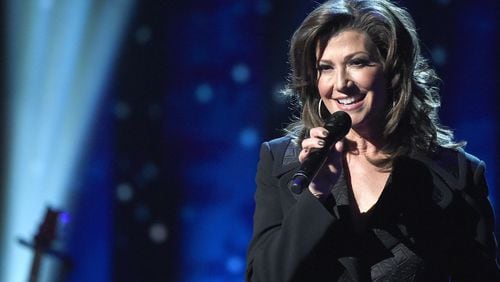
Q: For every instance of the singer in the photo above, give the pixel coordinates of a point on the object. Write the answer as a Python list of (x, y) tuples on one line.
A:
[(397, 198)]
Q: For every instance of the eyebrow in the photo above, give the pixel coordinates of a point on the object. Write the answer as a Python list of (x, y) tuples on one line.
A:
[(348, 57)]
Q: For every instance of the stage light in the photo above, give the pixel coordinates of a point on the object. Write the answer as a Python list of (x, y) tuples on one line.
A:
[(439, 55), (249, 137), (124, 192), (240, 73), (158, 233), (59, 54), (204, 93)]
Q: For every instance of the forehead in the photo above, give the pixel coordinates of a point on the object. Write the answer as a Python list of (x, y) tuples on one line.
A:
[(345, 43)]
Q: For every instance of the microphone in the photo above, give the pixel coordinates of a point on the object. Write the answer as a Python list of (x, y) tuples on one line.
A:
[(338, 124)]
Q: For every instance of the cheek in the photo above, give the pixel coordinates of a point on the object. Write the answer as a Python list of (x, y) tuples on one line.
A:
[(373, 82), (365, 80), (324, 88)]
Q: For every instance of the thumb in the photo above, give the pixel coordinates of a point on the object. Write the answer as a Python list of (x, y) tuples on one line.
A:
[(339, 146)]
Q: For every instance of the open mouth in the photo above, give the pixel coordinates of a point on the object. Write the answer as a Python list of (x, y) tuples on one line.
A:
[(351, 100)]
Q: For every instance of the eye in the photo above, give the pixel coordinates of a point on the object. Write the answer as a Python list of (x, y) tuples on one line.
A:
[(324, 67), (360, 62)]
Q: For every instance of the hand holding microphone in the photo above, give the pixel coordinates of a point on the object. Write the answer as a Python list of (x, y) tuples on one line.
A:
[(316, 151)]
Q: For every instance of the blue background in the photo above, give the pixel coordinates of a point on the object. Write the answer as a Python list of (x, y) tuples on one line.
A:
[(167, 171)]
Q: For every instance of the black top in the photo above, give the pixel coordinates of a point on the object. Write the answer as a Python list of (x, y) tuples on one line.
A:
[(432, 222)]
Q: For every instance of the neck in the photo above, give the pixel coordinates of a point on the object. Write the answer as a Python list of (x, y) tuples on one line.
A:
[(365, 144)]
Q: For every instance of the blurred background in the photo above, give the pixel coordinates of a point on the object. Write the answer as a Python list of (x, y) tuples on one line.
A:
[(138, 123)]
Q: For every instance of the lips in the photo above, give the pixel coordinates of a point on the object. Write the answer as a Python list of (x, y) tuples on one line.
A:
[(351, 99)]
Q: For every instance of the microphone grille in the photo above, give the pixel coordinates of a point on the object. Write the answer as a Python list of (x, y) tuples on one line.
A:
[(338, 122)]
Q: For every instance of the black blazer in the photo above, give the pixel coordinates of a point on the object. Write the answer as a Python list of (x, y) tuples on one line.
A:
[(433, 222)]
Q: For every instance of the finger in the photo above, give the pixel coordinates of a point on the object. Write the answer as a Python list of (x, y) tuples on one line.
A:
[(313, 143), (339, 146), (309, 145), (303, 155), (318, 132)]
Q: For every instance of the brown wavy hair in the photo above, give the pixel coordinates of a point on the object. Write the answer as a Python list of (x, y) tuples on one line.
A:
[(412, 122)]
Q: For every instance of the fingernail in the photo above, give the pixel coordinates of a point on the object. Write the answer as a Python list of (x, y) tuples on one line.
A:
[(325, 133), (321, 142)]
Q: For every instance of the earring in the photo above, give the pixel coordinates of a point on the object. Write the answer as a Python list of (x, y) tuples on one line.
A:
[(320, 109)]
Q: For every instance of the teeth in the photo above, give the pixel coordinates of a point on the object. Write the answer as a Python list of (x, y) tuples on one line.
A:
[(347, 101), (350, 100)]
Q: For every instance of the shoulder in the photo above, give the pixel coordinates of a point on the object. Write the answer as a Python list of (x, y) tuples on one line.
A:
[(455, 166), (282, 152), (456, 161), (280, 147), (280, 143)]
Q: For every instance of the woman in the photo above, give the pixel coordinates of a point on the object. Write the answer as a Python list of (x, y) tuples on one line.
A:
[(397, 199)]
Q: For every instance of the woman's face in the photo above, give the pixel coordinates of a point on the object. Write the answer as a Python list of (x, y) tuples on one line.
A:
[(351, 79)]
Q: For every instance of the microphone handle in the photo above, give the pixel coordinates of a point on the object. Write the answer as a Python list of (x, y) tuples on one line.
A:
[(338, 124), (309, 168)]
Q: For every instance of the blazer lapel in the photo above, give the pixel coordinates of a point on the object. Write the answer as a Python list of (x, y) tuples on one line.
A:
[(289, 161), (447, 175), (354, 268), (287, 166)]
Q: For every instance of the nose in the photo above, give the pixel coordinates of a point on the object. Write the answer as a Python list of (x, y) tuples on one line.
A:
[(342, 81)]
